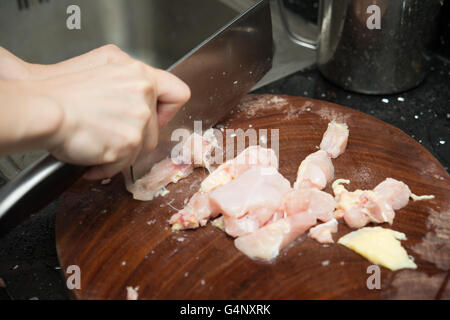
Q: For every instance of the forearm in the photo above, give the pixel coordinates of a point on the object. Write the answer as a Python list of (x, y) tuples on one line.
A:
[(28, 120), (12, 67)]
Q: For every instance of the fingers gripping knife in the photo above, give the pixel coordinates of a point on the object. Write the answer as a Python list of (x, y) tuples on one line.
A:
[(219, 72)]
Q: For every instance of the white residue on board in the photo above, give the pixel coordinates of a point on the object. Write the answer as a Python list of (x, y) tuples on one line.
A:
[(325, 263)]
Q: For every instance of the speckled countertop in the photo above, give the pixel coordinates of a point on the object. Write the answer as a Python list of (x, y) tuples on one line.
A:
[(422, 112)]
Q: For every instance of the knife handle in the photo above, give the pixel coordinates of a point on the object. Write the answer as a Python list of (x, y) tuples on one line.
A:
[(34, 188)]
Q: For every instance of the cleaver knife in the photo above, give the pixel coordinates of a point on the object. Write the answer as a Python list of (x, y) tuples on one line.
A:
[(219, 72)]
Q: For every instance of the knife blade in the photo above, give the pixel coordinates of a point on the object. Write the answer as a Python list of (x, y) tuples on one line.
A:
[(219, 72)]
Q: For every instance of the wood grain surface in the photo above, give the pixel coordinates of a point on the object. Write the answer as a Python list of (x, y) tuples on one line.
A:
[(119, 242)]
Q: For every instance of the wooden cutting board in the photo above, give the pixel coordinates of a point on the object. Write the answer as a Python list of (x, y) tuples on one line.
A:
[(119, 242)]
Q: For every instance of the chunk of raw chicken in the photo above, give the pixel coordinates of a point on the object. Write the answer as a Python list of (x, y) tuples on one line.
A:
[(316, 169), (195, 152), (161, 174), (322, 232), (196, 213), (258, 204), (251, 157), (360, 207), (132, 293), (312, 201), (237, 227), (250, 200), (335, 139), (267, 242), (395, 192)]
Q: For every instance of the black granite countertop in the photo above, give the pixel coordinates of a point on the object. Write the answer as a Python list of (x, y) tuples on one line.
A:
[(422, 112), (28, 260)]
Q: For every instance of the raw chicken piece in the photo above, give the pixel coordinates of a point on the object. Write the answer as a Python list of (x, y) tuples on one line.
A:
[(256, 189), (322, 232), (195, 152), (251, 157), (196, 213), (317, 169), (360, 207), (335, 139), (267, 242), (218, 178), (132, 293), (245, 225), (311, 200), (162, 174), (250, 200), (395, 192)]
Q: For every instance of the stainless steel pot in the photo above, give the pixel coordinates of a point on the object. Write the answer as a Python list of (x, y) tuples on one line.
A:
[(372, 46)]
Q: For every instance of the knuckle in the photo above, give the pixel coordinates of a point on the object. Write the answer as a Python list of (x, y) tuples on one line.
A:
[(138, 66), (114, 53), (141, 113), (145, 114), (149, 90), (146, 87), (152, 143), (142, 68), (133, 139), (187, 95), (110, 155), (110, 48)]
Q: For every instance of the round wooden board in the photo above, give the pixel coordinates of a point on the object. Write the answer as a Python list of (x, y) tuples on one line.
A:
[(119, 242)]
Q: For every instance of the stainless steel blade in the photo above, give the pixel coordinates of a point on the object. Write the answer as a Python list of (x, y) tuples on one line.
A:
[(219, 72)]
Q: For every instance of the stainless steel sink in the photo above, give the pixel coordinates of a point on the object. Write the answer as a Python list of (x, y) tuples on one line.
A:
[(158, 32)]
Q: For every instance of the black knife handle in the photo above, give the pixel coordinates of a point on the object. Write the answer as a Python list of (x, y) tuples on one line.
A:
[(34, 188)]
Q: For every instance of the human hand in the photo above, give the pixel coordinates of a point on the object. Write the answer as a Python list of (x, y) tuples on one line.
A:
[(111, 107)]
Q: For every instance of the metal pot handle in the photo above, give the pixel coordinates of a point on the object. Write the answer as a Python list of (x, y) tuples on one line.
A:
[(33, 188), (300, 40)]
